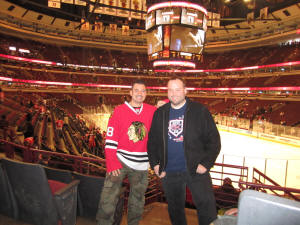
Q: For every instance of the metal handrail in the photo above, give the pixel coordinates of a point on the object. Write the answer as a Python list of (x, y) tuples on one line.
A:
[(79, 162), (288, 191), (275, 186)]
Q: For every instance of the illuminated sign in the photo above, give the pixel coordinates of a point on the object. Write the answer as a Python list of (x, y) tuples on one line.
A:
[(37, 61), (155, 40), (150, 20), (233, 69), (177, 4), (192, 17), (174, 63), (38, 82), (168, 16)]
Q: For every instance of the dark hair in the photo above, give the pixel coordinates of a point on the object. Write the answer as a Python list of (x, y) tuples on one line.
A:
[(138, 81), (178, 78), (227, 180)]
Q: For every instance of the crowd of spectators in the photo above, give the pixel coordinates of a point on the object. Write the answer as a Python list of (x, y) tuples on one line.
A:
[(34, 117)]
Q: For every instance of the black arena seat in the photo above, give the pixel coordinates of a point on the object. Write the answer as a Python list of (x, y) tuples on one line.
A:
[(89, 195), (7, 200), (37, 202), (64, 176)]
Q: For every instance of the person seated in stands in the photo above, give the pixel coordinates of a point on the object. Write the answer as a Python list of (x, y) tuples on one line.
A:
[(30, 104), (42, 109), (99, 137), (227, 186), (66, 119), (28, 128), (92, 143), (59, 125), (43, 159), (29, 141), (86, 138), (4, 127), (226, 195), (1, 96), (36, 107), (104, 135), (251, 123)]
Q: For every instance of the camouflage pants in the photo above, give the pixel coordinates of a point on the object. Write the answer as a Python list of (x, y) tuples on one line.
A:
[(138, 180)]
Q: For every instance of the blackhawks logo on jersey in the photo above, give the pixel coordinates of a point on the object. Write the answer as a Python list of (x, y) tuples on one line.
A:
[(137, 131)]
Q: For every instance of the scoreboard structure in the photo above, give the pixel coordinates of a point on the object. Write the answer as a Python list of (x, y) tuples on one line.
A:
[(175, 33)]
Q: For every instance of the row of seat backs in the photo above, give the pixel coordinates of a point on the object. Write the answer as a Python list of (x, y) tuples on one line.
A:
[(30, 198), (89, 190), (8, 202), (254, 207)]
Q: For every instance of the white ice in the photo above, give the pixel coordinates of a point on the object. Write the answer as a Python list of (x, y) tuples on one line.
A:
[(281, 162)]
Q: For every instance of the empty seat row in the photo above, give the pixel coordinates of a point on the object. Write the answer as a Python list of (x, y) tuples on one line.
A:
[(47, 196)]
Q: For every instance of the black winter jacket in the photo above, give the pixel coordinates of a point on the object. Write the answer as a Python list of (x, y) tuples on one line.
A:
[(201, 138)]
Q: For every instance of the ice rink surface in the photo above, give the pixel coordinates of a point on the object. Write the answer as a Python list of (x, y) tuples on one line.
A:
[(281, 162)]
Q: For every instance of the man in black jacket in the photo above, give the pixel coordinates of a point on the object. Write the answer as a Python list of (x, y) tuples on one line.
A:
[(182, 147)]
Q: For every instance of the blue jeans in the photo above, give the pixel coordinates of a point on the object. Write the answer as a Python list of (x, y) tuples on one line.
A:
[(200, 185)]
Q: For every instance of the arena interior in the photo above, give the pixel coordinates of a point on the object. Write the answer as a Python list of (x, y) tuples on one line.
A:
[(65, 65)]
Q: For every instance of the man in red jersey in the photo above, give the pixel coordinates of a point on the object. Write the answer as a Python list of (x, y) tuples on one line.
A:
[(126, 155)]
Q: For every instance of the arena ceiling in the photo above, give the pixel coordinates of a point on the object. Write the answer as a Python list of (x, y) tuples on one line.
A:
[(237, 34), (232, 11)]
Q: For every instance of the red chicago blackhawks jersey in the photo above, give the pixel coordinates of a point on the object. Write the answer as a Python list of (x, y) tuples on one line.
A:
[(126, 137)]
